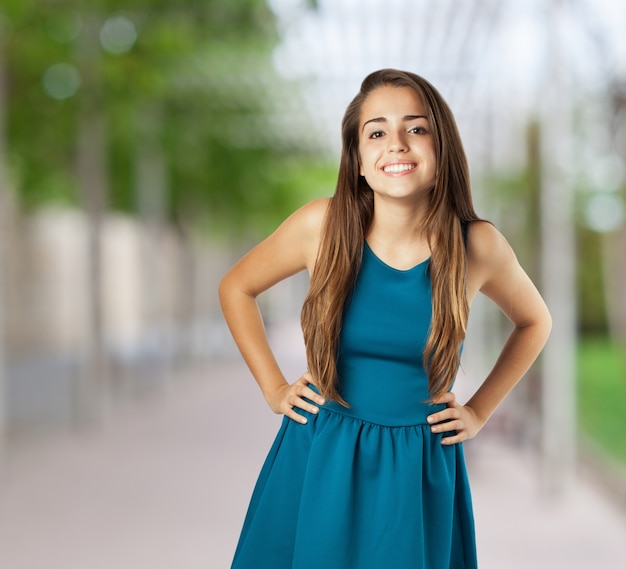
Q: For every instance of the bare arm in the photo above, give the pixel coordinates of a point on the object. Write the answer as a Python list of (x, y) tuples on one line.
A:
[(496, 273), (289, 250)]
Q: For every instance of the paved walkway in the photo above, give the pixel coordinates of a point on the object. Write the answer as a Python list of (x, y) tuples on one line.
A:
[(164, 484)]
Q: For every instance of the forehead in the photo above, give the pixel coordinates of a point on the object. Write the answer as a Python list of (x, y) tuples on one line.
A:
[(390, 101)]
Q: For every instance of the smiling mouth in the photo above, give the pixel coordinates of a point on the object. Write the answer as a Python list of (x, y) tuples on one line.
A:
[(397, 168)]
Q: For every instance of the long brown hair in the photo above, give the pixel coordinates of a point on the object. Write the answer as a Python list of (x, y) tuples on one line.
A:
[(347, 221)]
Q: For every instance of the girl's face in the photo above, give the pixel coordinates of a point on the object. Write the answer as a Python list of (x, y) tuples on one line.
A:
[(396, 147)]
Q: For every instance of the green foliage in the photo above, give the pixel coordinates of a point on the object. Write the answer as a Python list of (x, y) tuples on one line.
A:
[(196, 87), (40, 129), (602, 394), (591, 305)]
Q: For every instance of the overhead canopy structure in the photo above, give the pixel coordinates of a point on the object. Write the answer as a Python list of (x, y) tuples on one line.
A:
[(485, 56)]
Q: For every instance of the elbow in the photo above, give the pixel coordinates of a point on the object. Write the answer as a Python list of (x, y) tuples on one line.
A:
[(538, 326), (231, 292), (548, 323), (223, 290), (547, 319), (545, 325)]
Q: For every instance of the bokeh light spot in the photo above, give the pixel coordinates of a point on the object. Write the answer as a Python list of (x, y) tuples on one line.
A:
[(118, 35), (605, 212), (61, 81)]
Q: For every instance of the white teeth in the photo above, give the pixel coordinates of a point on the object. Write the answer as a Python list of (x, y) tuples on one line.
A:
[(393, 168)]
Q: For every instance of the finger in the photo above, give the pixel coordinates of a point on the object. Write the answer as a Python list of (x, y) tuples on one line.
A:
[(298, 402), (305, 380), (308, 377), (313, 396), (290, 409), (295, 416), (448, 397), (302, 380), (448, 426), (458, 438), (448, 414)]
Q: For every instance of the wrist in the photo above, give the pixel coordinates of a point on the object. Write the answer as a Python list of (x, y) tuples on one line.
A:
[(273, 392), (478, 419)]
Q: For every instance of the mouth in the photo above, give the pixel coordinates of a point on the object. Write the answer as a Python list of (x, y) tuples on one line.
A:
[(399, 168)]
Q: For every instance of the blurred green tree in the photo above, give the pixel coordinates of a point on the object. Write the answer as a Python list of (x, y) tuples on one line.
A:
[(185, 88), (162, 109)]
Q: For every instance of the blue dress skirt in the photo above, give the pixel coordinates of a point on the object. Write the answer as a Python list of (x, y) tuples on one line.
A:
[(368, 487)]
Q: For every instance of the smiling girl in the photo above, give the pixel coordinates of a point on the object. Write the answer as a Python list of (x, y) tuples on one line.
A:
[(367, 470)]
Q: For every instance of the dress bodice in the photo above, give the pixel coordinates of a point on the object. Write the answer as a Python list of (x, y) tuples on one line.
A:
[(385, 326)]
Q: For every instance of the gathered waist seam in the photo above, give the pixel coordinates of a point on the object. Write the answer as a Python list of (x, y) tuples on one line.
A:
[(374, 423)]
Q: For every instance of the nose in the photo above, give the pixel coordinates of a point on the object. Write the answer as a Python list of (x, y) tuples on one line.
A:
[(397, 143)]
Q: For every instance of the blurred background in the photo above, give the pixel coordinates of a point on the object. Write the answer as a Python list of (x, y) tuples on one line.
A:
[(146, 144)]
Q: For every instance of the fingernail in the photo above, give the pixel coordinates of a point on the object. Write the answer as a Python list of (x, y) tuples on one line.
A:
[(321, 401), (303, 420), (314, 409), (429, 419)]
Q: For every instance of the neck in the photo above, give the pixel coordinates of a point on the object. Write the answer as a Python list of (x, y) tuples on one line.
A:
[(397, 222), (397, 234)]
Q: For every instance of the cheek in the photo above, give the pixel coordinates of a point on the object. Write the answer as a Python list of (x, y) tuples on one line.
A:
[(367, 160)]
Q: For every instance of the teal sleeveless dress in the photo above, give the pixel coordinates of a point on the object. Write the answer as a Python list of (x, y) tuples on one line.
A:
[(369, 487)]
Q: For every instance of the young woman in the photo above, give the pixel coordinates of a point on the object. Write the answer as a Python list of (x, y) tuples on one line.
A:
[(367, 470)]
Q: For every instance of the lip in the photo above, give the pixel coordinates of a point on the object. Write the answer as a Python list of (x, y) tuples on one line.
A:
[(399, 163)]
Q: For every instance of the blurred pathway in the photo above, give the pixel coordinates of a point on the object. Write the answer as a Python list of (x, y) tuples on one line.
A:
[(166, 482)]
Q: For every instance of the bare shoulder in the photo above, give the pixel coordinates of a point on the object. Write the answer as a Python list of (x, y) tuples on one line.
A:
[(310, 217), (291, 248), (490, 257), (304, 227), (493, 270), (485, 243)]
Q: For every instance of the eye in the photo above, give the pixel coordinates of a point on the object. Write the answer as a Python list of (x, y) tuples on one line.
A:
[(376, 134), (418, 130)]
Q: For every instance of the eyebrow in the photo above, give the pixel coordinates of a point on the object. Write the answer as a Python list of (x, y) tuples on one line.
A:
[(406, 118)]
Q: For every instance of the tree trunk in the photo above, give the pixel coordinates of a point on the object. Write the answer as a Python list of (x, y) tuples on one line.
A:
[(558, 273), (91, 168), (619, 264), (4, 182), (151, 192), (615, 244), (614, 264), (187, 291)]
